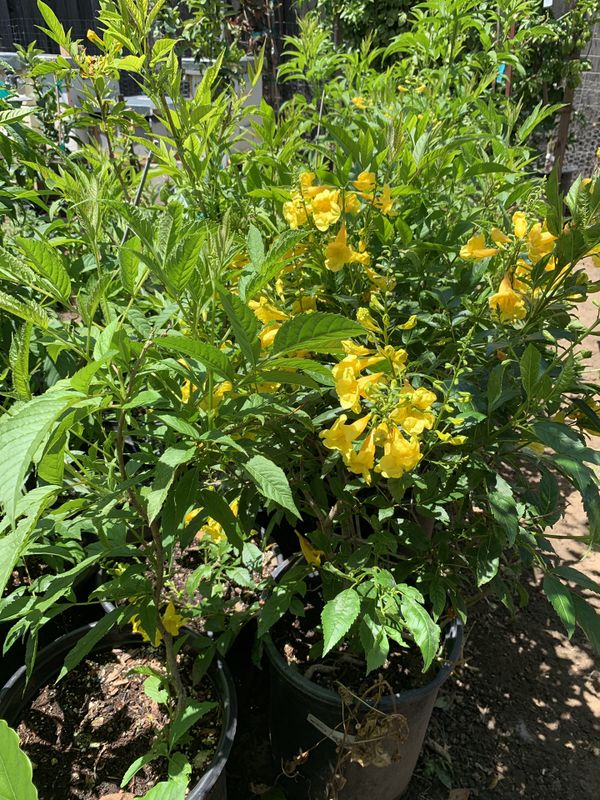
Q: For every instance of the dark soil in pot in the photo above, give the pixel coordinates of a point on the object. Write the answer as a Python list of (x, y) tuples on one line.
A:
[(83, 733)]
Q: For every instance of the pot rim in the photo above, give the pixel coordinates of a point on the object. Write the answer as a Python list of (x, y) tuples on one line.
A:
[(218, 673), (453, 643)]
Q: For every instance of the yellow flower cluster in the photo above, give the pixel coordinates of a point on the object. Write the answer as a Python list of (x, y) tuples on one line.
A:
[(171, 620), (323, 204), (326, 204), (402, 413), (531, 243)]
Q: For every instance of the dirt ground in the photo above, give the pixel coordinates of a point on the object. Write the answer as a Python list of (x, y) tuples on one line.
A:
[(521, 716)]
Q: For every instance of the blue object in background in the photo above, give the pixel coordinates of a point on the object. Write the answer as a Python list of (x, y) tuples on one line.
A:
[(501, 73)]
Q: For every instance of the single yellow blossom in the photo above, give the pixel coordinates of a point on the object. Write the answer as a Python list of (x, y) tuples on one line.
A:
[(385, 202), (423, 398), (219, 391), (268, 334), (363, 316), (519, 221), (397, 357), (363, 258), (412, 419), (294, 211), (171, 620), (499, 237), (338, 253), (136, 627), (421, 89), (353, 349), (94, 38), (340, 436), (383, 283), (475, 249), (307, 180), (187, 390), (402, 89), (304, 303), (362, 463), (266, 312), (409, 324), (360, 103), (326, 208), (351, 203), (400, 455), (310, 553), (540, 243), (347, 388), (365, 182), (507, 303), (449, 439)]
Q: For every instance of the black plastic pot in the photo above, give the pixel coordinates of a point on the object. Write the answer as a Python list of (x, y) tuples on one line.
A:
[(305, 718), (80, 613), (16, 694)]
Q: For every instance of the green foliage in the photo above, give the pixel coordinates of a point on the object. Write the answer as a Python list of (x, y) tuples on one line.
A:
[(356, 320), (15, 768)]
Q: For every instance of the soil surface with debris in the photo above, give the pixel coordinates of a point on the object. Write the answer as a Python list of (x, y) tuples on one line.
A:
[(83, 733)]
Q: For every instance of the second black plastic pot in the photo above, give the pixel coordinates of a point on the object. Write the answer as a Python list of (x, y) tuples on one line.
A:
[(16, 694), (307, 719)]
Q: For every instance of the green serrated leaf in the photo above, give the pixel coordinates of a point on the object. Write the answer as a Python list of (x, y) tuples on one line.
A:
[(338, 616), (424, 630), (271, 482), (588, 619), (206, 354), (504, 508), (575, 576), (164, 473), (530, 366), (319, 332), (21, 434), (155, 690), (19, 361), (256, 247), (562, 602), (243, 323), (27, 310), (48, 263)]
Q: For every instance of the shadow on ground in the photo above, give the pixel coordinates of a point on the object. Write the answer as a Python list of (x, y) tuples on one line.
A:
[(521, 717)]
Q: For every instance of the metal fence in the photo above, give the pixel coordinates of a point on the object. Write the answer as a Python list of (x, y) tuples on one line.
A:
[(20, 21), (585, 127)]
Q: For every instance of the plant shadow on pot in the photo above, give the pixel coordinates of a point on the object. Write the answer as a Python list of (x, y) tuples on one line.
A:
[(309, 737), (17, 694)]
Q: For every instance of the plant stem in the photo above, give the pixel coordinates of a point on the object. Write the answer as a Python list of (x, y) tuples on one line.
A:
[(157, 545)]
